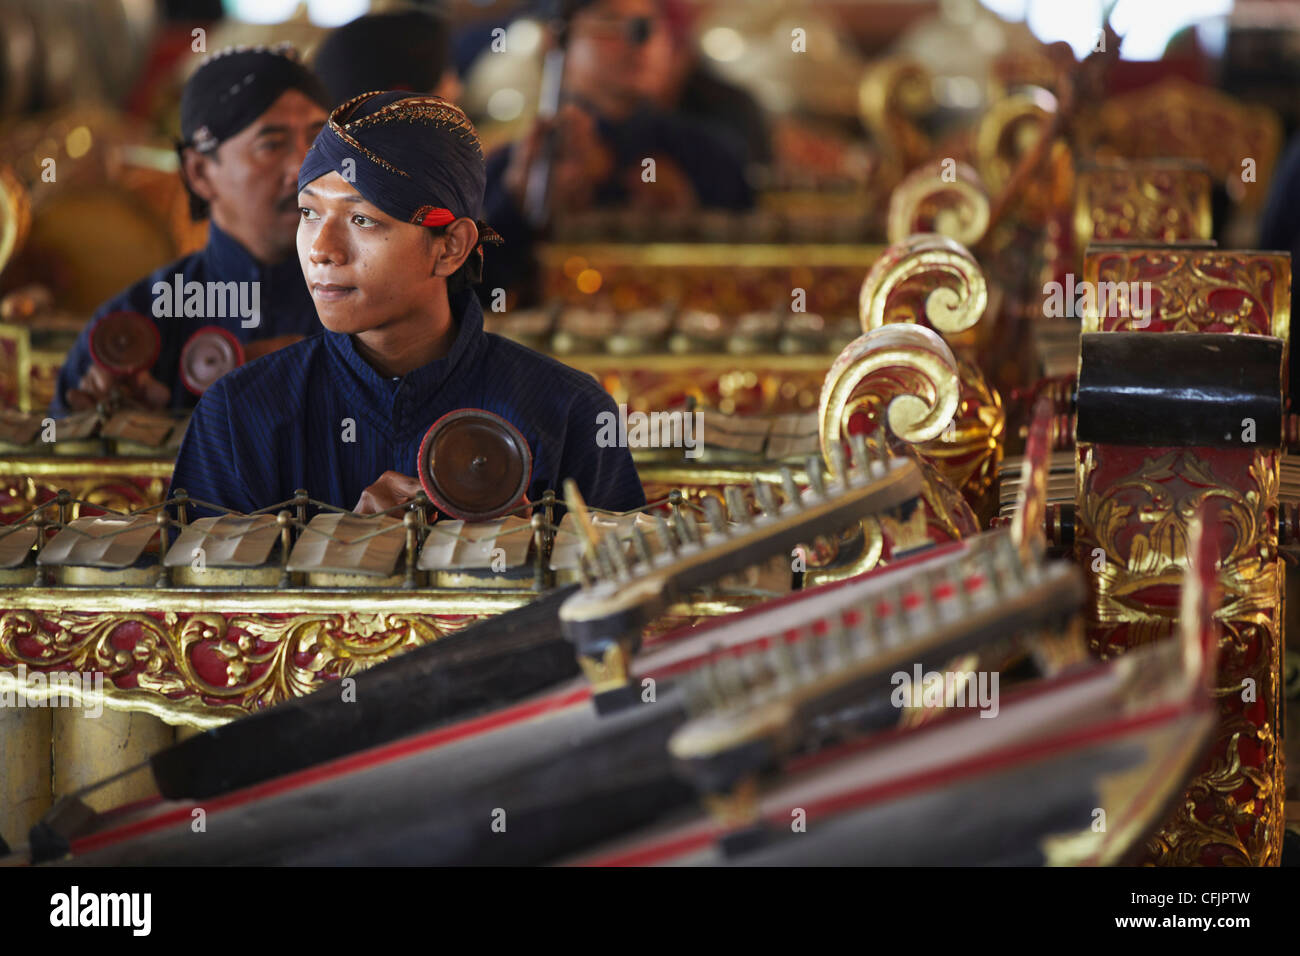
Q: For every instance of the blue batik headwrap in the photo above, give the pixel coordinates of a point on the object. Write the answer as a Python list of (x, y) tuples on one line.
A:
[(416, 157)]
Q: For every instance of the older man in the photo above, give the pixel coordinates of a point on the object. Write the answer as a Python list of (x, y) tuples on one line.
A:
[(248, 117)]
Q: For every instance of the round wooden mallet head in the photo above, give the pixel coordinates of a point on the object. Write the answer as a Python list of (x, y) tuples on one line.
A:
[(124, 343), (207, 355), (474, 465)]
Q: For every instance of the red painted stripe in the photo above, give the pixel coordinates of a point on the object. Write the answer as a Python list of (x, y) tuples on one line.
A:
[(1024, 753), (692, 841), (687, 630), (885, 738), (343, 765), (650, 855), (850, 617)]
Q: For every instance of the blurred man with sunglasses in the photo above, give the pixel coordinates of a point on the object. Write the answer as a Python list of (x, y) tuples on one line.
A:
[(620, 61)]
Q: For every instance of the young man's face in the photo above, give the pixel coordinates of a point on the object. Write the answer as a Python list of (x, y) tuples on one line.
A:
[(364, 268), (252, 181)]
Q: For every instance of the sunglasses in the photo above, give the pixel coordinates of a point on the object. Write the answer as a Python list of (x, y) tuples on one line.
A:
[(635, 31)]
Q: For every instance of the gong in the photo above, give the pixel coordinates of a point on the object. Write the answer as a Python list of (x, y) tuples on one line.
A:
[(474, 465), (207, 355), (124, 343)]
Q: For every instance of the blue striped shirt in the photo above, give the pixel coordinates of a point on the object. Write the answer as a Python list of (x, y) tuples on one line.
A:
[(285, 305), (283, 421)]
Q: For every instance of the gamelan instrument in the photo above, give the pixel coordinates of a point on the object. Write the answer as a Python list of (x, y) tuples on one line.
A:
[(792, 697), (528, 639), (124, 343), (474, 465), (207, 355)]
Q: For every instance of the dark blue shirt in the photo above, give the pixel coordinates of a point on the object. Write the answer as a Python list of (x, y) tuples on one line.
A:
[(285, 305), (281, 422)]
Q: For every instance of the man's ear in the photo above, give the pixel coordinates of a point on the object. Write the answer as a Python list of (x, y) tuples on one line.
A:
[(460, 239), (195, 167)]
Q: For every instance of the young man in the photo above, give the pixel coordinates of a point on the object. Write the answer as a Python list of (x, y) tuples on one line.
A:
[(389, 247), (248, 116)]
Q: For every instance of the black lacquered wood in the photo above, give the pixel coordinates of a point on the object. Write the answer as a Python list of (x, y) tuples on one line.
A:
[(486, 665), (1185, 389)]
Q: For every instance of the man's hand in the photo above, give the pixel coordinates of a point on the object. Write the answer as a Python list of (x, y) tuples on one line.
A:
[(392, 489), (259, 347), (98, 384), (581, 161)]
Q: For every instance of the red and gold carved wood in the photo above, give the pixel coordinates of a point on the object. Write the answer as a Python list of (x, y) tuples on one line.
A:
[(1134, 505), (1130, 201), (32, 349), (1193, 290), (897, 385), (199, 661), (1142, 200), (204, 667), (1179, 119), (944, 196), (732, 384), (28, 375), (934, 282), (202, 660), (118, 484), (730, 279)]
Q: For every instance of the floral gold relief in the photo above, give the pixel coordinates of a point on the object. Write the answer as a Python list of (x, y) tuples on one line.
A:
[(204, 668), (1178, 118), (727, 278), (1192, 290), (201, 660), (120, 484), (1134, 509), (762, 384), (1154, 201)]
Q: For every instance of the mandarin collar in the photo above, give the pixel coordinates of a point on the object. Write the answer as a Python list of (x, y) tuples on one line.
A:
[(400, 399)]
